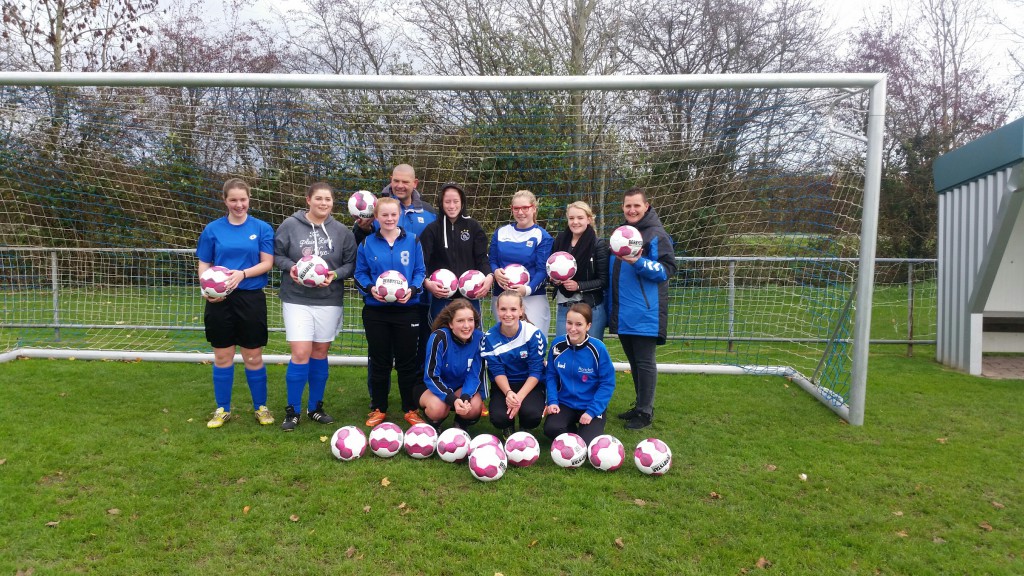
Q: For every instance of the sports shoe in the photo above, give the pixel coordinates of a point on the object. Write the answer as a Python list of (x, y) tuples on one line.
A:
[(319, 415), (506, 432), (291, 419), (639, 421), (413, 417), (264, 416), (628, 414), (219, 418), (375, 417)]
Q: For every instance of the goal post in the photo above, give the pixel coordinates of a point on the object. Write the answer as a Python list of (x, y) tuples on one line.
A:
[(768, 185)]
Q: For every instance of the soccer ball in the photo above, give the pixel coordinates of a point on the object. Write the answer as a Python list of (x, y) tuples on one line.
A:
[(312, 270), (420, 441), (522, 449), (652, 456), (212, 282), (386, 439), (483, 440), (488, 463), (626, 241), (471, 284), (361, 204), (391, 285), (561, 266), (517, 275), (453, 445), (569, 450), (447, 279), (348, 443), (606, 453)]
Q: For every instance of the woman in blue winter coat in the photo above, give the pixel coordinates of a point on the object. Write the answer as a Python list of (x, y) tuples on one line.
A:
[(580, 379)]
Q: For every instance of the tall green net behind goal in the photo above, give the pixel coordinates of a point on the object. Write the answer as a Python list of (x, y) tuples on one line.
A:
[(105, 187)]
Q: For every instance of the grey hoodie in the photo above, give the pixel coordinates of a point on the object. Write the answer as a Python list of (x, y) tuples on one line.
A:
[(332, 241)]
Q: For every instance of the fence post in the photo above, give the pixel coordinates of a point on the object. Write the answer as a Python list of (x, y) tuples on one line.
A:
[(910, 309), (732, 301), (55, 288)]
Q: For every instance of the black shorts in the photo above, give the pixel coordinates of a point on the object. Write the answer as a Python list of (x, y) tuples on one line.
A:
[(239, 320)]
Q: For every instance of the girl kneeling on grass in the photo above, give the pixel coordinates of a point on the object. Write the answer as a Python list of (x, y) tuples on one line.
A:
[(452, 374), (514, 352), (580, 379)]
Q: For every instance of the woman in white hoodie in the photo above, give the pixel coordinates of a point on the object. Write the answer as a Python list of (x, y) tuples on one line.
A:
[(312, 315)]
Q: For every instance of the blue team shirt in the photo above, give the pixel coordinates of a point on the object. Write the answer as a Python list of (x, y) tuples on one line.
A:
[(517, 358), (529, 248), (376, 256), (237, 246), (581, 377), (452, 364)]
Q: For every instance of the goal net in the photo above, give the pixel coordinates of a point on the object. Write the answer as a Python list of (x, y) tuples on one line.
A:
[(106, 181)]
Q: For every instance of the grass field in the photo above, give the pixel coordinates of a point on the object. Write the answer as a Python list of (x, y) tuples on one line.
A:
[(108, 467)]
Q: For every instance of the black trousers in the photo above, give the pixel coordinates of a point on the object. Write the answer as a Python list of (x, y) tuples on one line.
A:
[(568, 420), (530, 412), (392, 338)]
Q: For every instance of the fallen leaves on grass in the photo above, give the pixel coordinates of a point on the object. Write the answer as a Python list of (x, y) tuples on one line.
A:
[(350, 552), (763, 563), (803, 477), (996, 505), (3, 461), (189, 420), (532, 544), (114, 511), (323, 438), (771, 467), (241, 480), (715, 496), (165, 411), (939, 540), (941, 440), (294, 517), (52, 523), (245, 510), (902, 534), (28, 572), (898, 513), (985, 526), (385, 482), (640, 502), (619, 543), (366, 509)]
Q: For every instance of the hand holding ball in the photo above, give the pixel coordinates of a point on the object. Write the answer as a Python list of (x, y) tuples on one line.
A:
[(626, 241)]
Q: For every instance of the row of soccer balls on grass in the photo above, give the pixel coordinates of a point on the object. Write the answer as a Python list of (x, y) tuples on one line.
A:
[(488, 457), (392, 285)]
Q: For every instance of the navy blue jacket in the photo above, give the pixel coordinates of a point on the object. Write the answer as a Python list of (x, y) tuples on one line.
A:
[(638, 293)]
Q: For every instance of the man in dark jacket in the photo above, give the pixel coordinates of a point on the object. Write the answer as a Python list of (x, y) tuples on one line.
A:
[(638, 303)]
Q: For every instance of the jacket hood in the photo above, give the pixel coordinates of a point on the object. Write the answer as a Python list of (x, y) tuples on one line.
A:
[(300, 215), (440, 199)]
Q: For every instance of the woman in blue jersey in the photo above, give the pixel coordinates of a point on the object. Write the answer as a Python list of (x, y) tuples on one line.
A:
[(525, 243), (312, 314), (514, 352), (452, 376), (580, 379), (392, 328), (244, 245)]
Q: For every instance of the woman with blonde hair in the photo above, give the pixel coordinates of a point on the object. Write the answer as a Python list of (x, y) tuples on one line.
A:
[(591, 279), (525, 243)]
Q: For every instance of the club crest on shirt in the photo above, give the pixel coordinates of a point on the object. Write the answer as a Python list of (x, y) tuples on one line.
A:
[(252, 237), (420, 219), (464, 236), (522, 353), (529, 243)]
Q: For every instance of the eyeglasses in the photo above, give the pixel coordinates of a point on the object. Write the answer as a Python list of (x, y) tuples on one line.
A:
[(522, 208)]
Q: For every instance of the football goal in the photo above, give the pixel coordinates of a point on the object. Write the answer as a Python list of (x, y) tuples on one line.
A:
[(767, 184)]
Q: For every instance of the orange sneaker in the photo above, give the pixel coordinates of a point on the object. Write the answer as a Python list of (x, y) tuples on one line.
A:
[(375, 417), (413, 417)]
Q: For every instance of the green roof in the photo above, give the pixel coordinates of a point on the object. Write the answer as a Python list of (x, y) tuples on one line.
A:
[(977, 158)]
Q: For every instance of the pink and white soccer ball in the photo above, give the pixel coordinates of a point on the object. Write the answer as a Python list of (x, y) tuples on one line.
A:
[(391, 285), (312, 270), (361, 204), (213, 282), (488, 463), (348, 443), (626, 241), (652, 456), (522, 449), (569, 450), (447, 279), (453, 445), (606, 453), (386, 439), (471, 284), (484, 440), (420, 441), (561, 266), (517, 275)]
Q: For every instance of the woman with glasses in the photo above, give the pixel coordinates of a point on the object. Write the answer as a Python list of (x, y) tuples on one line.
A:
[(525, 243)]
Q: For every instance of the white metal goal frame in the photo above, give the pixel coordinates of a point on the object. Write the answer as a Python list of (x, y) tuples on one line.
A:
[(851, 407)]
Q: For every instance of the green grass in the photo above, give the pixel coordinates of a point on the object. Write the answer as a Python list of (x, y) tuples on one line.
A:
[(914, 491)]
